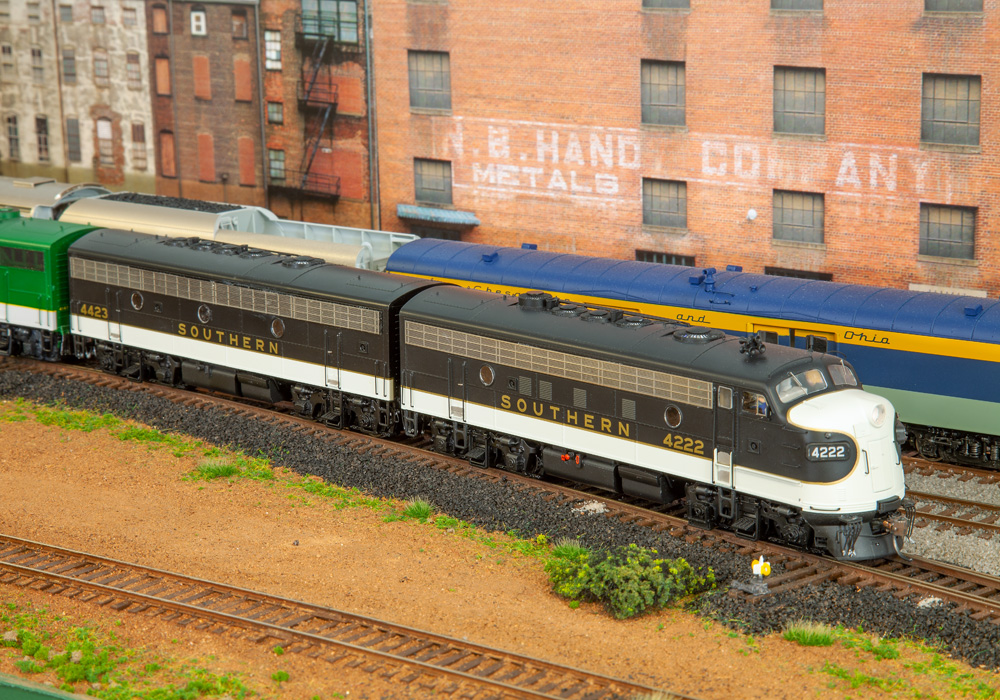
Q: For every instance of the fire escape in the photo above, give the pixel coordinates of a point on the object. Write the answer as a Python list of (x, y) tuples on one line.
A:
[(323, 38)]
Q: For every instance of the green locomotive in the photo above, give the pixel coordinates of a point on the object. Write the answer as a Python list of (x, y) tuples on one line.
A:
[(34, 287)]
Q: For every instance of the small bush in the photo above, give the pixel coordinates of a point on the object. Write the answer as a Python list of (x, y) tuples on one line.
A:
[(215, 469), (809, 634), (627, 582), (418, 509)]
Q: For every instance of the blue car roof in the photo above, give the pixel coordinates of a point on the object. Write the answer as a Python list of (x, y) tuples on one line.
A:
[(732, 291)]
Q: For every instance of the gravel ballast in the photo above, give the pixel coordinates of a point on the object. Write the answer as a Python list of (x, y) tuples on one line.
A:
[(499, 507)]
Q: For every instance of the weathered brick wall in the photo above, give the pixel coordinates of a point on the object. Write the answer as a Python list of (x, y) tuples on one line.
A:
[(343, 150), (547, 145), (221, 119)]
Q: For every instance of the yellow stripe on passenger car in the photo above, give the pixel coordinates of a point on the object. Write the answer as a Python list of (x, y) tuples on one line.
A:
[(744, 323)]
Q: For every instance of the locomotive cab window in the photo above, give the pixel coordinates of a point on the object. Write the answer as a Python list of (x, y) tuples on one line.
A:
[(801, 384), (755, 404), (843, 375), (725, 397)]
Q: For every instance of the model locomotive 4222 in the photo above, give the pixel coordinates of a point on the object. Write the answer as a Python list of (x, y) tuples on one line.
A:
[(782, 444)]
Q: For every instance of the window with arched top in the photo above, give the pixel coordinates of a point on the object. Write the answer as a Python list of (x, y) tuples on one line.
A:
[(105, 142), (168, 161)]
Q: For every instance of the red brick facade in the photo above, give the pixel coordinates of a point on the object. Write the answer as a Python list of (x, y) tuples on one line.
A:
[(205, 95), (547, 141), (311, 77)]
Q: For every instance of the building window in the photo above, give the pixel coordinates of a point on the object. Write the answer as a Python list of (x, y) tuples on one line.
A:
[(73, 140), (199, 24), (69, 65), (105, 144), (949, 111), (139, 146), (160, 25), (7, 62), (66, 14), (663, 93), (800, 274), (247, 161), (239, 24), (130, 17), (243, 78), (133, 71), (953, 5), (13, 138), (437, 233), (337, 19), (162, 75), (37, 66), (276, 165), (34, 12), (96, 14), (206, 158), (201, 71), (42, 137), (947, 232), (669, 4), (800, 100), (102, 75), (275, 113), (168, 161), (796, 4), (430, 80), (664, 203), (798, 216), (5, 11), (272, 50), (432, 180), (652, 256)]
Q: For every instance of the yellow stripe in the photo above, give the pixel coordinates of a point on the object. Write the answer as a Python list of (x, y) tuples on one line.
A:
[(744, 323)]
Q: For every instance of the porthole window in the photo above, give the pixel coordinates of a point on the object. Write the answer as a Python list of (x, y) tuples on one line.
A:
[(204, 314), (277, 328), (672, 416), (137, 301), (486, 375)]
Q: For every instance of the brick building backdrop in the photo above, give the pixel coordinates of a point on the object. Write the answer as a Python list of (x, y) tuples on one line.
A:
[(848, 139)]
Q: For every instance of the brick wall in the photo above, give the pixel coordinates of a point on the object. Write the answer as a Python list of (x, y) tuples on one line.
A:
[(213, 120), (547, 144)]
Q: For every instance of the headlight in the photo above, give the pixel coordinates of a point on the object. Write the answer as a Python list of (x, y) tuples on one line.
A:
[(877, 416)]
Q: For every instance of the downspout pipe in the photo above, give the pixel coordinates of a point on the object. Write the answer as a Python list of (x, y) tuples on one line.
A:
[(265, 169), (173, 98), (373, 173)]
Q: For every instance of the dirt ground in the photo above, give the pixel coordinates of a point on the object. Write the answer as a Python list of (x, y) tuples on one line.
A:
[(128, 500)]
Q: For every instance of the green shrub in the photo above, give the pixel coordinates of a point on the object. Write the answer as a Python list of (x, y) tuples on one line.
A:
[(418, 509), (809, 634), (627, 582)]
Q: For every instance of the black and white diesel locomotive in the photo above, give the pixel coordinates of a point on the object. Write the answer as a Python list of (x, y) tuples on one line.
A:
[(782, 444)]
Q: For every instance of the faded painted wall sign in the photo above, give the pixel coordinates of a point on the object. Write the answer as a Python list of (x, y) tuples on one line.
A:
[(555, 160)]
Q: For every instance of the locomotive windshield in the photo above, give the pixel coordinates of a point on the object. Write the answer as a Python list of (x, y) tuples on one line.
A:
[(799, 384)]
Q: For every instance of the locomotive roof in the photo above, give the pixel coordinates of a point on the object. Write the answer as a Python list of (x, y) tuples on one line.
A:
[(240, 264), (734, 291), (34, 234), (651, 345)]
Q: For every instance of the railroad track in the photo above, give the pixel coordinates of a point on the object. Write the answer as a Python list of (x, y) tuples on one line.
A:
[(793, 569), (967, 516), (436, 664)]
